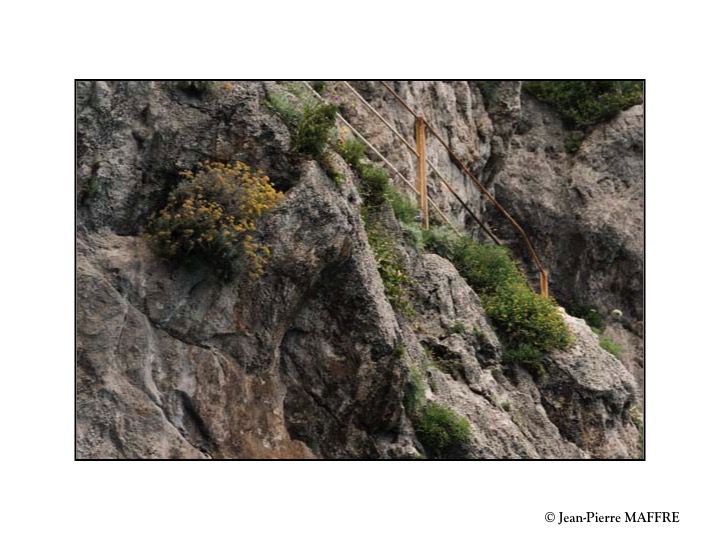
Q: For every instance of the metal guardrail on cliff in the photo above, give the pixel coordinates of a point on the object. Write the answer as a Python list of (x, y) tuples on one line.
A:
[(420, 187)]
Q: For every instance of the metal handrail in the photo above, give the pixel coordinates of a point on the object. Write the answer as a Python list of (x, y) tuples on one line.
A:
[(385, 160), (442, 178), (528, 243)]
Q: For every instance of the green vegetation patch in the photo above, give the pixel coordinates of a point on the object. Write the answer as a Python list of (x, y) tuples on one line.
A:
[(404, 208), (610, 346), (395, 278), (414, 397), (528, 324), (442, 432), (585, 103), (314, 130), (582, 104), (312, 123)]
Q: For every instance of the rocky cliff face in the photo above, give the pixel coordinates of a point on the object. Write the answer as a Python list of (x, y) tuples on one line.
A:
[(584, 211), (311, 360)]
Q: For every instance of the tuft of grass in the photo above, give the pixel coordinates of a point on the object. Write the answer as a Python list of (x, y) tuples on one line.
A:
[(404, 208), (573, 142), (374, 184), (414, 232), (352, 150), (529, 357), (374, 180), (318, 86), (289, 112), (442, 432), (610, 346)]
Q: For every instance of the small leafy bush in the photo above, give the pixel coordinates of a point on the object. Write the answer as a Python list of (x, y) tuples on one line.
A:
[(610, 346), (312, 123), (211, 216), (442, 432), (582, 104), (486, 268), (314, 130)]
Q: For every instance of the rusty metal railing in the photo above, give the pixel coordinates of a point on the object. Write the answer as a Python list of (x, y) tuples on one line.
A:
[(544, 278), (420, 186)]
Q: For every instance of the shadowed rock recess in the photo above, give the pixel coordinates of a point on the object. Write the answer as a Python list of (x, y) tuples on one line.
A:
[(311, 360)]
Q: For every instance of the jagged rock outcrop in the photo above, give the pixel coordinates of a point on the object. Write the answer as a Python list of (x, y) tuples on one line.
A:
[(310, 360)]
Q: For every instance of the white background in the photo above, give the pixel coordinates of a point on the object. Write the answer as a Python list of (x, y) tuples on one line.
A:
[(45, 45)]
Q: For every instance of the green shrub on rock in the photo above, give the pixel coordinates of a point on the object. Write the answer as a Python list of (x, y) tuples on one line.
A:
[(523, 317), (314, 130), (583, 103), (352, 150), (442, 432), (528, 324)]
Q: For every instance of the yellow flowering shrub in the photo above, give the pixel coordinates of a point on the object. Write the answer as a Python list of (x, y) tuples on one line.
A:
[(211, 216)]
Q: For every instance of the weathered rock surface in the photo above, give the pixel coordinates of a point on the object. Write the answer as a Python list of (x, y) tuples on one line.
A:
[(310, 360)]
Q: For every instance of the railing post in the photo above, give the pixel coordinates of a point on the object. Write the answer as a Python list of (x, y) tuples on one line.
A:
[(544, 284), (421, 170)]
